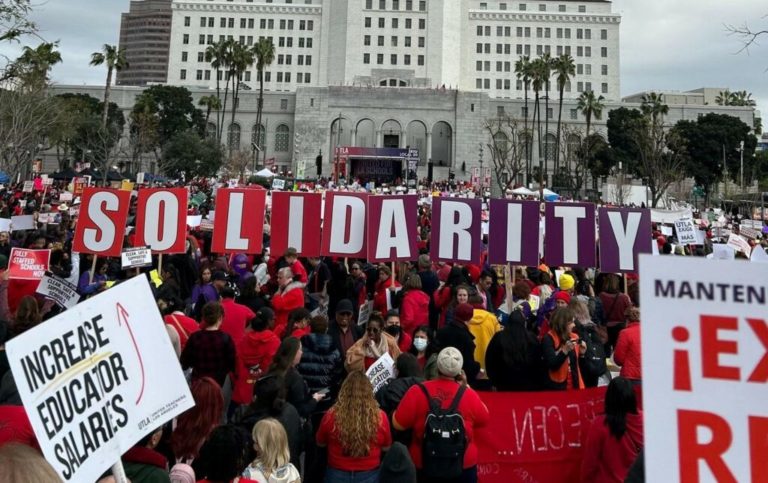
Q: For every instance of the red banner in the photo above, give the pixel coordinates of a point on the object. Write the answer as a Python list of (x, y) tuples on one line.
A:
[(537, 436), (28, 264)]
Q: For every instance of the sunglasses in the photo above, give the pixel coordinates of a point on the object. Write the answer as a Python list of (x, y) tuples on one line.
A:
[(373, 330)]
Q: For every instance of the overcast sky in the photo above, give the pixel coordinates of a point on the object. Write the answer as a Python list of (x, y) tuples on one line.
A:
[(665, 44)]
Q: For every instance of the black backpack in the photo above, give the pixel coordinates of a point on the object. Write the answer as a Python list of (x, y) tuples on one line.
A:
[(593, 363), (445, 440)]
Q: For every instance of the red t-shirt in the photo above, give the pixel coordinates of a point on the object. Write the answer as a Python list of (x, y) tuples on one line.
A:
[(15, 427), (413, 409), (184, 326), (327, 436), (236, 317)]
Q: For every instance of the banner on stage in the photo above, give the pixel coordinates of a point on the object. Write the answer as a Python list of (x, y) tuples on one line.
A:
[(97, 378), (705, 369), (24, 264)]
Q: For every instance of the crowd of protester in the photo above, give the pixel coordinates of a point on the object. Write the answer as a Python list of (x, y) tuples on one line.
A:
[(276, 358)]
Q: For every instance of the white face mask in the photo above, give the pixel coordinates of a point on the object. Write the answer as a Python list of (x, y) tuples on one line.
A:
[(420, 344)]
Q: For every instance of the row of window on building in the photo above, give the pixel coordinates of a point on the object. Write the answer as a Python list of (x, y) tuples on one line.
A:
[(250, 23), (541, 32), (525, 49), (524, 7), (301, 42), (381, 23), (394, 41), (280, 77), (393, 59), (506, 66), (395, 5), (282, 136), (506, 85)]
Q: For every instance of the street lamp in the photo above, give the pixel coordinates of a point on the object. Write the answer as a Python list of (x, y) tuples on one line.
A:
[(741, 175)]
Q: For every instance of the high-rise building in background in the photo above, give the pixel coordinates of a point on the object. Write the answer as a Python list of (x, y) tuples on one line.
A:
[(145, 33), (470, 45)]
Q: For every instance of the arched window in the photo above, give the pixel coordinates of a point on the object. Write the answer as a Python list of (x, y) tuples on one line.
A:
[(500, 144), (262, 136), (550, 144), (282, 138), (233, 136), (210, 130)]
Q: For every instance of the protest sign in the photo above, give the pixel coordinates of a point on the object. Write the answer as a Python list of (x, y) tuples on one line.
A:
[(65, 196), (666, 230), (140, 178), (24, 264), (23, 222), (686, 231), (206, 225), (753, 224), (29, 186), (136, 257), (705, 369), (739, 244), (749, 232), (302, 233), (193, 221), (456, 230), (58, 290), (278, 184), (721, 251), (365, 312), (508, 242), (97, 378), (381, 372), (161, 219), (624, 234), (345, 224), (569, 237), (536, 436), (5, 224), (759, 255), (393, 232), (103, 216), (239, 221)]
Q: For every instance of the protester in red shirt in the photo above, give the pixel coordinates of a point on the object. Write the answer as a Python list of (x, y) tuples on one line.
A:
[(414, 307), (384, 283), (615, 438), (289, 296), (393, 328), (355, 431), (298, 323), (292, 259), (627, 353), (413, 409), (236, 316), (15, 426), (183, 325), (254, 355)]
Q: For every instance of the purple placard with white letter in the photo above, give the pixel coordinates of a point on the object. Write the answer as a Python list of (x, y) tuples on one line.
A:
[(393, 226), (456, 230), (570, 235), (513, 235), (624, 234)]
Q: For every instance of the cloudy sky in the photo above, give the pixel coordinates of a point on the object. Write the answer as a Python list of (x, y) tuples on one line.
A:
[(665, 44)]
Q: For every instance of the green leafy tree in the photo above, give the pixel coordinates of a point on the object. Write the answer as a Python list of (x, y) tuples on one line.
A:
[(174, 109), (14, 24), (114, 58), (264, 54), (187, 153), (242, 59), (622, 124), (210, 103), (590, 106), (34, 65)]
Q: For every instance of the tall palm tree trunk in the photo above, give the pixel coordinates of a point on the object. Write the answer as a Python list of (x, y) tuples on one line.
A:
[(529, 143), (559, 125), (107, 91), (537, 124), (546, 127), (224, 107), (234, 107), (259, 110)]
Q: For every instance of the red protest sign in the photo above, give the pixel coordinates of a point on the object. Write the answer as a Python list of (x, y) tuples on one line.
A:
[(28, 264), (101, 226), (239, 222), (161, 219), (296, 222)]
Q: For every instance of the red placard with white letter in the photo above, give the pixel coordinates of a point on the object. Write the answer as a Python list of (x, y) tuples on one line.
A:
[(392, 228), (161, 219), (296, 221), (239, 222), (344, 225), (101, 226)]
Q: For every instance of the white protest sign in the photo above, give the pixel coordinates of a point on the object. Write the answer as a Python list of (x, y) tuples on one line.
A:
[(739, 244), (97, 378), (65, 196), (389, 293), (759, 255), (381, 372), (193, 221), (666, 230), (29, 186), (365, 312), (23, 222), (721, 251), (749, 232), (686, 231), (136, 257), (5, 224), (140, 178), (278, 184), (58, 290), (753, 224), (705, 369)]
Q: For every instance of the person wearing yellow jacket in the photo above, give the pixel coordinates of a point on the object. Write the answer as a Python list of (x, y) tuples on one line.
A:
[(483, 327)]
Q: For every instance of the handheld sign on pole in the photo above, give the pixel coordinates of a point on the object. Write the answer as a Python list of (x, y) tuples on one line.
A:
[(97, 378), (686, 231), (27, 264), (365, 312), (59, 290), (136, 257), (705, 369)]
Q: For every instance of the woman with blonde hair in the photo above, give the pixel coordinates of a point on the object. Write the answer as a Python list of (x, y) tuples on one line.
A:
[(356, 433), (273, 458)]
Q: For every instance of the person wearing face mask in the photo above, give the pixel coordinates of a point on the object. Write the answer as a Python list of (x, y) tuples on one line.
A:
[(425, 351), (393, 328), (374, 344)]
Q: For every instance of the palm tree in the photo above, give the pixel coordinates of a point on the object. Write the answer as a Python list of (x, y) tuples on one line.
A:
[(564, 69), (653, 106), (214, 54), (264, 54), (242, 60), (590, 106), (115, 59), (229, 46), (523, 71), (546, 74), (725, 98), (742, 98), (211, 103), (35, 64), (538, 72)]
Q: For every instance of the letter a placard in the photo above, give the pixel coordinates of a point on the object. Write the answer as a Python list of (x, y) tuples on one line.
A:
[(392, 228)]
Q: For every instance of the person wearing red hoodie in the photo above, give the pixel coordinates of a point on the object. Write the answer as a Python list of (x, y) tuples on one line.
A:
[(615, 438), (291, 256), (384, 283), (289, 296), (627, 352), (414, 307), (254, 355), (236, 316)]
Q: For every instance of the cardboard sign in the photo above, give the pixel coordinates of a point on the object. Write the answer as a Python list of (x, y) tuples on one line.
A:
[(739, 244), (5, 224), (304, 215), (193, 221), (365, 312), (345, 224), (26, 264), (278, 184), (136, 257), (23, 222), (97, 378), (759, 255), (58, 290), (686, 231), (393, 228), (103, 217), (749, 232), (705, 369), (508, 242), (381, 372), (29, 186)]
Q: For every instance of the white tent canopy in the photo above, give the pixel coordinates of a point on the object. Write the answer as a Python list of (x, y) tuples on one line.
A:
[(265, 173), (523, 191)]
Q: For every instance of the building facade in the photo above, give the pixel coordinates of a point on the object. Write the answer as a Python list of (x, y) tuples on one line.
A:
[(468, 45), (145, 34)]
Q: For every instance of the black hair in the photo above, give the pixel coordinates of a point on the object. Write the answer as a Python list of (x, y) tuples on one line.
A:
[(516, 339), (431, 346), (294, 316), (285, 355), (269, 395), (225, 454), (227, 292), (407, 366), (264, 316), (620, 399)]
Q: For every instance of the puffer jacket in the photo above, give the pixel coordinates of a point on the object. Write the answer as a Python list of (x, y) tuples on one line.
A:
[(321, 364), (389, 396), (627, 353)]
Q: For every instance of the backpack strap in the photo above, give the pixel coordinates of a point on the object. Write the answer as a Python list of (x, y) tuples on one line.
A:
[(430, 402), (457, 398)]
